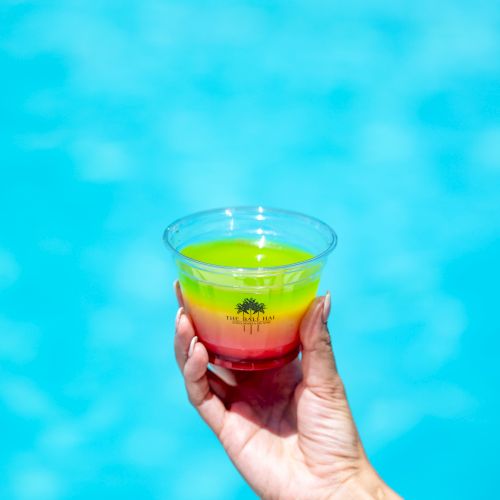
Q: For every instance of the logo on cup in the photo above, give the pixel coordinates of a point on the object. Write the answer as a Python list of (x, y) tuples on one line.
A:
[(252, 313)]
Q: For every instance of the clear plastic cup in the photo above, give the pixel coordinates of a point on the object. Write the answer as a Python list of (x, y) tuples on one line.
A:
[(248, 317)]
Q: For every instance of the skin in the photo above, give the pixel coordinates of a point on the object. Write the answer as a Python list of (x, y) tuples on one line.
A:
[(289, 431)]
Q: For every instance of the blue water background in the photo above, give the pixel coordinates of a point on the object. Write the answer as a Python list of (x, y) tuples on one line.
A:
[(382, 118)]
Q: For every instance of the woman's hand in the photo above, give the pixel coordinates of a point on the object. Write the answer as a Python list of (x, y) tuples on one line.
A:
[(289, 430)]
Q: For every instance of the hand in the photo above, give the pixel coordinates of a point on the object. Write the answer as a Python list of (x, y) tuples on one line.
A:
[(289, 430)]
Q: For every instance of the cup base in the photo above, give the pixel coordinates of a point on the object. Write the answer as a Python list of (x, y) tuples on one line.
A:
[(253, 364)]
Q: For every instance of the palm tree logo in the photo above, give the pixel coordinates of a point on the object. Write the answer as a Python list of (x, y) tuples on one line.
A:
[(250, 307)]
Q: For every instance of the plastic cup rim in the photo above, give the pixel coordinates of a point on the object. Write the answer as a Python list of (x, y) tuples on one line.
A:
[(332, 243)]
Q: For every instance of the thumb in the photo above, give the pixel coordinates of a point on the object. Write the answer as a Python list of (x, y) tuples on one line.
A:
[(318, 364)]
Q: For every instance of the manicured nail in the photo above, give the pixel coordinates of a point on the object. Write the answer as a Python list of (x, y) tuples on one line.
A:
[(191, 346), (224, 374), (178, 316), (177, 291), (327, 303)]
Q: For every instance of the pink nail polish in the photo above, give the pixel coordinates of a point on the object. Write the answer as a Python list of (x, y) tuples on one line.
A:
[(327, 303), (191, 346), (178, 316)]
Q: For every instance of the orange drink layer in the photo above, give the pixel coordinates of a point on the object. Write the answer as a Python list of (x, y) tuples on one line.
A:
[(247, 291)]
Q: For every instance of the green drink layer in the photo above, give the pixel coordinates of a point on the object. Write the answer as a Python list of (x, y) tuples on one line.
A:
[(246, 253), (221, 289)]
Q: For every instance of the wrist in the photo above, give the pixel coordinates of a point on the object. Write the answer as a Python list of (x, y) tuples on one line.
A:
[(368, 485)]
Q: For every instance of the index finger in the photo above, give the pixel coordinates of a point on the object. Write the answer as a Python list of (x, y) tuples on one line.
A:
[(184, 333)]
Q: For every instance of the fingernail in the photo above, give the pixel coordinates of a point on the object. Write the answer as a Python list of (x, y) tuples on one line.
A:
[(327, 303), (177, 291), (224, 374), (178, 316), (191, 346)]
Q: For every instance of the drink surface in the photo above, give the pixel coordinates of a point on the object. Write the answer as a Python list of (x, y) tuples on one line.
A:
[(260, 253)]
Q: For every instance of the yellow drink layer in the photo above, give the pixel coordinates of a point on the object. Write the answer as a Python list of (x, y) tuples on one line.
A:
[(246, 253)]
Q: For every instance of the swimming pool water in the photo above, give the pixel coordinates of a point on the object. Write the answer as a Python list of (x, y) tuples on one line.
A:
[(380, 118)]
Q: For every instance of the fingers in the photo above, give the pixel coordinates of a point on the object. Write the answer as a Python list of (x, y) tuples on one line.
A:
[(318, 364), (192, 358), (219, 388), (178, 293), (184, 333), (209, 406), (184, 330)]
